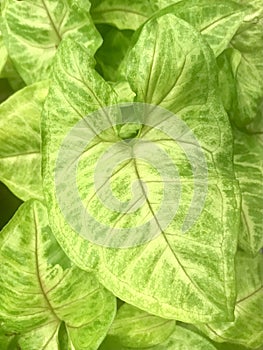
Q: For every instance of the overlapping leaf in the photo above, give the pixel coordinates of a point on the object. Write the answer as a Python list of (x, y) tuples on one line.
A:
[(249, 84), (248, 162), (110, 54), (40, 288), (3, 53), (45, 301), (228, 63), (20, 157), (181, 339), (133, 327), (7, 342), (218, 21), (33, 30), (123, 14), (247, 329), (171, 271)]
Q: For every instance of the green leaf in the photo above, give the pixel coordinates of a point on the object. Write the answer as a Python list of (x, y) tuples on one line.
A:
[(228, 63), (231, 346), (171, 270), (3, 53), (181, 339), (9, 205), (249, 84), (63, 338), (88, 92), (7, 342), (20, 157), (247, 329), (136, 328), (33, 30), (9, 72), (5, 90), (218, 21), (248, 163), (123, 91), (7, 69), (40, 288), (110, 54), (122, 13)]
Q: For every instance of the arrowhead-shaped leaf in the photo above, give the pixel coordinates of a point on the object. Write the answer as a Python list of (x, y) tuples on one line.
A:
[(20, 158), (33, 30), (171, 270), (40, 288)]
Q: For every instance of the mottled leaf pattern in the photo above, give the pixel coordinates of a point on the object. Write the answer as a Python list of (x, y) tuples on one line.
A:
[(88, 93), (249, 84), (196, 286), (248, 162), (247, 329), (20, 158), (40, 288), (33, 30), (217, 21), (166, 282)]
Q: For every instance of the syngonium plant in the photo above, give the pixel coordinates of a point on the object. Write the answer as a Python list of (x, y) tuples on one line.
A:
[(191, 72)]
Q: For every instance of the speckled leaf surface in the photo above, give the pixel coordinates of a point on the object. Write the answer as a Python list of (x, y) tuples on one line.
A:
[(40, 288), (249, 84), (248, 161), (171, 270), (133, 327), (33, 30), (247, 329), (218, 21), (20, 158)]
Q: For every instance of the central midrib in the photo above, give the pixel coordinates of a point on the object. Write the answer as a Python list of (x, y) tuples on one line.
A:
[(51, 21), (163, 233), (38, 271)]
